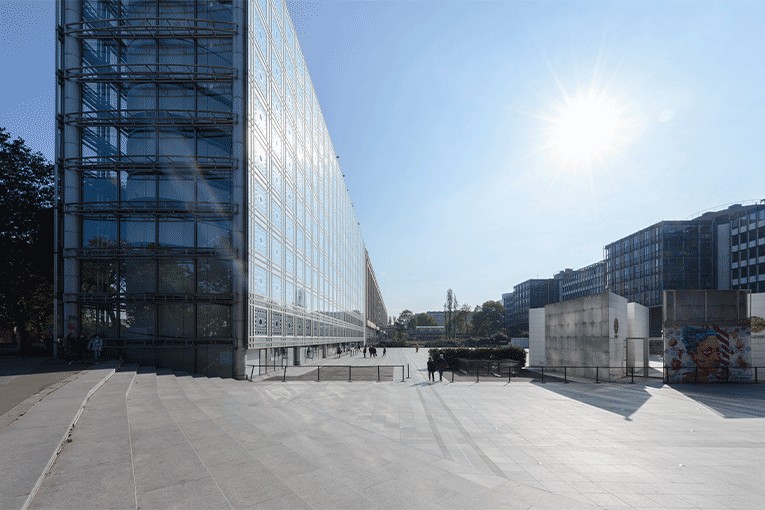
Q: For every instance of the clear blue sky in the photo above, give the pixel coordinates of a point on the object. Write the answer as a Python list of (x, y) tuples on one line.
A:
[(444, 113)]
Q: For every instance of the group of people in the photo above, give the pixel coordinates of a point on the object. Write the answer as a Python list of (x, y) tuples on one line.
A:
[(79, 348), (373, 351), (440, 365)]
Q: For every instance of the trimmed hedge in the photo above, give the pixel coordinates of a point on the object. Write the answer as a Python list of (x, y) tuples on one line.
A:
[(508, 352)]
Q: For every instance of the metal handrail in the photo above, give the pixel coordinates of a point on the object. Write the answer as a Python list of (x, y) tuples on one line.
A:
[(151, 73), (155, 252), (319, 367), (152, 162), (145, 206), (139, 28), (105, 298), (150, 117)]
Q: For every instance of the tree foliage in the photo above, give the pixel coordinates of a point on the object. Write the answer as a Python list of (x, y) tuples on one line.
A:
[(423, 319), (26, 237), (488, 319)]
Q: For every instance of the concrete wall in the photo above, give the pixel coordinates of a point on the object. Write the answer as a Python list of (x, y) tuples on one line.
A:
[(637, 334), (637, 320), (536, 337), (588, 331), (757, 309)]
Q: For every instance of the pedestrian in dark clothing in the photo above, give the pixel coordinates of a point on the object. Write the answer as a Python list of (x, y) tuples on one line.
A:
[(82, 347), (384, 351), (441, 366), (431, 370), (365, 351)]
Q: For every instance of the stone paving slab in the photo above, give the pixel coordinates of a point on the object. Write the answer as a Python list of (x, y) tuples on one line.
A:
[(213, 443), (29, 441)]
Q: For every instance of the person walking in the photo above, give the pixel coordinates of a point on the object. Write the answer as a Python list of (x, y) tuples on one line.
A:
[(94, 346), (365, 351), (441, 366), (431, 369), (384, 351)]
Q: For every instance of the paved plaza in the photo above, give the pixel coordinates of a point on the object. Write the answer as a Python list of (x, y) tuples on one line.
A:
[(152, 439)]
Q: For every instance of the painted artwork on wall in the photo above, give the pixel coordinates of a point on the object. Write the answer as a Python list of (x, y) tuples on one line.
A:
[(708, 354)]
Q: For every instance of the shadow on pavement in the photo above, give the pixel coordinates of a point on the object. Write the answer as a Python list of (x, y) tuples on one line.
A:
[(621, 399), (728, 400)]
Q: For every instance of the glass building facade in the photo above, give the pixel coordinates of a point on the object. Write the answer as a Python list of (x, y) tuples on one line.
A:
[(747, 249), (526, 295), (203, 221)]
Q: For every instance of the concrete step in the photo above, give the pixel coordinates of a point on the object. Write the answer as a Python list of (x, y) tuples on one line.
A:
[(29, 443), (94, 467), (168, 472)]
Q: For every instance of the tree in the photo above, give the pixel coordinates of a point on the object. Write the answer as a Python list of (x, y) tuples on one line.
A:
[(423, 319), (450, 307), (26, 237), (462, 320), (488, 319)]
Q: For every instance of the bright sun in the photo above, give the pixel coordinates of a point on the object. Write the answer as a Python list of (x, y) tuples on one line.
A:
[(587, 129)]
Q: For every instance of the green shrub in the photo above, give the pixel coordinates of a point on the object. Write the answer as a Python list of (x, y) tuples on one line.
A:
[(507, 352)]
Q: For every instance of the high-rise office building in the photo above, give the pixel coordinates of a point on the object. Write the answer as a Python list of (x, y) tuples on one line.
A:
[(586, 281), (526, 295), (203, 221), (747, 249)]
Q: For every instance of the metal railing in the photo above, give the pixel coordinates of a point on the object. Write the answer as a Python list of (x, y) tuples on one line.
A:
[(140, 164), (150, 118), (319, 373), (151, 73), (153, 206), (141, 28)]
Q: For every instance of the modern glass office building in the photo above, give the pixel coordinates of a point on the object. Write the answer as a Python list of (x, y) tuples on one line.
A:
[(203, 221)]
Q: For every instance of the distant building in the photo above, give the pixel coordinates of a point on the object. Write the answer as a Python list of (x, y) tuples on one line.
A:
[(746, 234), (529, 294), (676, 255), (439, 317), (587, 281)]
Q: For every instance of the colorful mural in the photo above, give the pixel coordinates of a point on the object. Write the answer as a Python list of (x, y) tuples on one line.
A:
[(708, 354)]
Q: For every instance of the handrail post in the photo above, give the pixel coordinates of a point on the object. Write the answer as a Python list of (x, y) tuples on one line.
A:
[(284, 378), (318, 373), (565, 374), (349, 372), (597, 375), (378, 373), (452, 375), (543, 373), (402, 371), (476, 373), (633, 375), (407, 370)]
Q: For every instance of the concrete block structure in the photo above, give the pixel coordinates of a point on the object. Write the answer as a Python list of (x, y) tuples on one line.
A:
[(757, 316), (536, 337)]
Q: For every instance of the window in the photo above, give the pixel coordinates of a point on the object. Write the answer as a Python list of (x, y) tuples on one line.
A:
[(176, 276)]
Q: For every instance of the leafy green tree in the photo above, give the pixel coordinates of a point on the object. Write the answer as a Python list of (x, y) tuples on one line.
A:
[(488, 319), (26, 237), (423, 319)]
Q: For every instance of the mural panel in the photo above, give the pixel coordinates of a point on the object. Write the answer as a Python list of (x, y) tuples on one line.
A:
[(709, 354)]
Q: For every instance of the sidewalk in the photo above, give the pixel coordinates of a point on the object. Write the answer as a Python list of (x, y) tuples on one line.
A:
[(149, 439)]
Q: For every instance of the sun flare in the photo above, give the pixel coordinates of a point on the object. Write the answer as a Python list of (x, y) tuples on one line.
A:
[(587, 129)]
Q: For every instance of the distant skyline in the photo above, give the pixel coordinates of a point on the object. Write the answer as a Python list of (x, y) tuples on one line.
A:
[(462, 126)]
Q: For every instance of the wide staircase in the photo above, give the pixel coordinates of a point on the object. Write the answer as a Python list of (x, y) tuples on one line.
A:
[(136, 437)]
